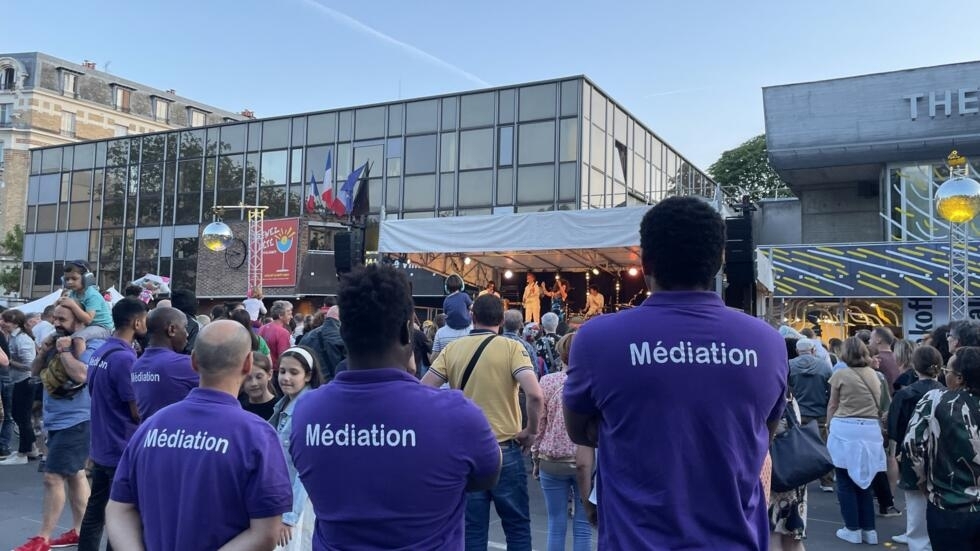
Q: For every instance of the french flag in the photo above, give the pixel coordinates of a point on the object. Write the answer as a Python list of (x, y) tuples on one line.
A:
[(313, 199)]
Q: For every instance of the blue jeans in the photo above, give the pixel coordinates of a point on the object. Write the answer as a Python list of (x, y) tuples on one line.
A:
[(510, 499), (7, 428), (555, 490), (857, 505)]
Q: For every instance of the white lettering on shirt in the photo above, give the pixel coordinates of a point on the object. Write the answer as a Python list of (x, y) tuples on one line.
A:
[(145, 377), (183, 440), (350, 435), (684, 353)]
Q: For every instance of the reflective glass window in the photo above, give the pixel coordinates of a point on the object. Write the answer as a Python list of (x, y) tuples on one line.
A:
[(476, 110), (296, 166), (49, 188), (447, 191), (420, 154), (343, 166), (273, 168), (449, 114), (117, 155), (535, 184), (476, 149), (421, 116), (505, 146), (475, 188), (420, 192), (100, 154), (345, 120), (51, 159), (84, 156), (568, 140), (321, 128), (536, 143), (569, 98), (233, 138), (620, 128), (395, 114), (299, 131), (212, 141), (598, 109), (505, 114), (153, 148), (505, 186), (447, 162), (275, 134), (36, 162), (597, 148), (151, 188), (192, 143), (81, 185), (316, 162), (369, 123), (373, 155), (567, 183), (231, 170), (537, 102), (393, 195), (254, 136)]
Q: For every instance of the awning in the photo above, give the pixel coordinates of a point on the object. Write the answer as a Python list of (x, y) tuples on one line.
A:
[(575, 240)]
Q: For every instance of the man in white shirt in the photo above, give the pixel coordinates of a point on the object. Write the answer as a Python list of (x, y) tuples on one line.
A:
[(595, 302), (42, 327)]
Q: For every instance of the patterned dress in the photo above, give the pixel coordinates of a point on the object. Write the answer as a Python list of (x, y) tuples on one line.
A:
[(943, 443)]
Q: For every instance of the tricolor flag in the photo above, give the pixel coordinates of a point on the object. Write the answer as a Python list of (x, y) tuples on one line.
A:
[(313, 198), (327, 179)]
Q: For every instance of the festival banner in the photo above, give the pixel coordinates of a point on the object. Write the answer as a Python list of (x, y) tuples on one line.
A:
[(280, 241)]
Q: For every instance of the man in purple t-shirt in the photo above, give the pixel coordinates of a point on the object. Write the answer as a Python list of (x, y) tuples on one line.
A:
[(680, 395), (163, 374), (114, 414), (203, 473), (379, 475)]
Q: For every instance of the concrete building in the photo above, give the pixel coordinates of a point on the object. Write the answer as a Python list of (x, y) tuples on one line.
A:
[(45, 101), (865, 156), (137, 205)]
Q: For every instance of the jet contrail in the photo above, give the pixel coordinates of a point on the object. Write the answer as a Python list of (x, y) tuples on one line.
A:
[(356, 25)]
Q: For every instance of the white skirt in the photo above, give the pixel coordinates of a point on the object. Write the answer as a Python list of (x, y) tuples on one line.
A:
[(855, 445)]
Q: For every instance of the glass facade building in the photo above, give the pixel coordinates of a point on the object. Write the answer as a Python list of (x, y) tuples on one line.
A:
[(137, 204)]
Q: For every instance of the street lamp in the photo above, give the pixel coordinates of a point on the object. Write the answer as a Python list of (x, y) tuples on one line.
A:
[(217, 236), (958, 202)]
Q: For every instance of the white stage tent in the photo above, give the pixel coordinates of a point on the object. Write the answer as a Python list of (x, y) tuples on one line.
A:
[(571, 241)]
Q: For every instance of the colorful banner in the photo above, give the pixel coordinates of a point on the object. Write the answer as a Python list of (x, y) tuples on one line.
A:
[(280, 241)]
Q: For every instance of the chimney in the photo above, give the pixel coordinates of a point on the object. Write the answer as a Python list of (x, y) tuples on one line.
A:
[(89, 65), (248, 114)]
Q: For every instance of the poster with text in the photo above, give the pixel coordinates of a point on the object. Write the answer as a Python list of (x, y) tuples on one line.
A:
[(280, 241)]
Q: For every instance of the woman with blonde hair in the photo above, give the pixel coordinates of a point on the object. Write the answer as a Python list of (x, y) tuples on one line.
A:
[(903, 349), (855, 442)]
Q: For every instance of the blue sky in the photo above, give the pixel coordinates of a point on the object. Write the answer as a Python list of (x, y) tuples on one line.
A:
[(691, 70)]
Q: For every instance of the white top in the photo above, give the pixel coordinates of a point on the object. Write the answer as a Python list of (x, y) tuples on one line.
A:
[(254, 307), (41, 331)]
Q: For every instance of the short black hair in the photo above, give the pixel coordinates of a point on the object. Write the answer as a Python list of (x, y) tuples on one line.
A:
[(967, 332), (132, 291), (127, 310), (682, 241), (218, 312), (243, 317), (938, 339), (375, 307), (184, 300), (488, 310), (454, 283), (594, 288), (968, 366)]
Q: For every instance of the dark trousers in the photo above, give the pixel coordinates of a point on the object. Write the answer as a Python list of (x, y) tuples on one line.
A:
[(883, 491), (93, 523), (953, 531), (857, 505), (22, 408)]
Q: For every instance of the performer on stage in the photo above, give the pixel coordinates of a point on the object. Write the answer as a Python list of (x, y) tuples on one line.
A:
[(595, 302), (559, 297), (532, 300), (491, 289)]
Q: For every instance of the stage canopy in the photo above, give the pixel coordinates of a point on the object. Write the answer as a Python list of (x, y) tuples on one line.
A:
[(576, 240)]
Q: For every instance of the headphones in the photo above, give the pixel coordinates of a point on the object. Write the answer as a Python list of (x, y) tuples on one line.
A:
[(462, 283), (88, 278)]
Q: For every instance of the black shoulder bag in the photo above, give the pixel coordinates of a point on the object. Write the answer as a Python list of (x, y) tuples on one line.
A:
[(476, 357), (799, 455)]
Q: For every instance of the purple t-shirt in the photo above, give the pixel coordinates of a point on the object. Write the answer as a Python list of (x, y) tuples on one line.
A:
[(399, 453), (162, 377), (199, 470), (111, 390), (686, 385)]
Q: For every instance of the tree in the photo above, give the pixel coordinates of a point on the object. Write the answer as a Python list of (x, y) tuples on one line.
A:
[(745, 170), (12, 245)]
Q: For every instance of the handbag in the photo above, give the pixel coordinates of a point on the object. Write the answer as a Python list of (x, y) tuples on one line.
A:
[(799, 455)]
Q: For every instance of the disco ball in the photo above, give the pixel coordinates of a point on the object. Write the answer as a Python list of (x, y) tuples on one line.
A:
[(958, 199), (217, 236)]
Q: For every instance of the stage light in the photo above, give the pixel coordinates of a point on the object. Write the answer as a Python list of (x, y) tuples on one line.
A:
[(508, 274), (467, 260), (595, 271), (557, 277), (632, 272)]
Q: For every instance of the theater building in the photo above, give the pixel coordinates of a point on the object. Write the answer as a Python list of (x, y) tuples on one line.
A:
[(863, 245), (137, 204)]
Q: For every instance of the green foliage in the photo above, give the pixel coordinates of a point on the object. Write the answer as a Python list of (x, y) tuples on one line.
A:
[(12, 245), (745, 170)]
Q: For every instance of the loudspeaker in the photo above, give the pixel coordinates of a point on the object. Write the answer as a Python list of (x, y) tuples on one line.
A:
[(738, 241), (348, 251)]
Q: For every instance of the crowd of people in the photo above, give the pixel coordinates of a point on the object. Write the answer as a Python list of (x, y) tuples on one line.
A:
[(362, 428)]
